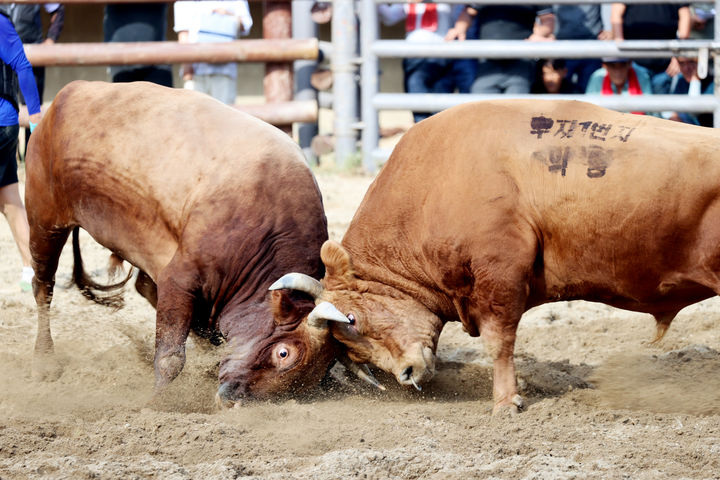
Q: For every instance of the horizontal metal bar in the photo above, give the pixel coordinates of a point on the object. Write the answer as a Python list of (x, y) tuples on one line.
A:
[(537, 2), (95, 2), (555, 49), (156, 53), (647, 103), (486, 2)]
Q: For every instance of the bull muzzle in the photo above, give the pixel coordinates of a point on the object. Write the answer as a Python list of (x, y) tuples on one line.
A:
[(229, 394), (417, 368)]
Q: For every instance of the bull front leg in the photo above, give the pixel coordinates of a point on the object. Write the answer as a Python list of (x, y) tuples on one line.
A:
[(175, 306)]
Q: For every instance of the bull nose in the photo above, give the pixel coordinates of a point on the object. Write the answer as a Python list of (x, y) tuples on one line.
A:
[(407, 375), (420, 368), (229, 394), (415, 375)]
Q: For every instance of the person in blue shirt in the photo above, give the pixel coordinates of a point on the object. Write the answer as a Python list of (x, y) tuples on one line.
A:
[(15, 69), (688, 82)]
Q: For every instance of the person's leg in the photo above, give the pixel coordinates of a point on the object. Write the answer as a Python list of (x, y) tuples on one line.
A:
[(12, 207), (202, 84), (464, 71), (11, 204), (417, 72), (518, 76), (489, 75), (159, 75), (223, 88)]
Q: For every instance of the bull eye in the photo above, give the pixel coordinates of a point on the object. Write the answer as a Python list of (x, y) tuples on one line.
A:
[(283, 353), (351, 317)]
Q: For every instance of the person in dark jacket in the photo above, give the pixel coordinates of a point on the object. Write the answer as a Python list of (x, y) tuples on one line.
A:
[(137, 22)]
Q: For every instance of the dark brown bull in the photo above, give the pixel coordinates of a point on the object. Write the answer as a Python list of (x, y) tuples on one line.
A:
[(210, 204), (488, 209)]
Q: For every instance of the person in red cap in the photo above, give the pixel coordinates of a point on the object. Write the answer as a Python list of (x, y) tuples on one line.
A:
[(619, 76)]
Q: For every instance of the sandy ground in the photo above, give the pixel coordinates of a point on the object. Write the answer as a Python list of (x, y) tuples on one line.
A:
[(602, 403)]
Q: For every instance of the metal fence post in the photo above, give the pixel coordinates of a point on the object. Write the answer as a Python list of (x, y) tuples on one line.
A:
[(716, 64), (344, 37), (369, 73), (304, 27)]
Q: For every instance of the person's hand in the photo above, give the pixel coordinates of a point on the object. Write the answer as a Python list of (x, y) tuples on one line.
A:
[(188, 71), (673, 68), (605, 35), (34, 120), (537, 37), (48, 41), (462, 25), (455, 34)]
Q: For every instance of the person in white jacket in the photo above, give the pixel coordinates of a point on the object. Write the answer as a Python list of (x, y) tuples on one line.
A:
[(211, 21)]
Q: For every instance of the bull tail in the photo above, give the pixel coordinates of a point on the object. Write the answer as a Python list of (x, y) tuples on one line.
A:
[(101, 294)]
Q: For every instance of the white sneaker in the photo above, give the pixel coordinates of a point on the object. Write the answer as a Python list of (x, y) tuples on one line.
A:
[(26, 279)]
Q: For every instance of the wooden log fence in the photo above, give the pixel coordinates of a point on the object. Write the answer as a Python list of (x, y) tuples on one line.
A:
[(277, 113), (93, 54), (278, 51)]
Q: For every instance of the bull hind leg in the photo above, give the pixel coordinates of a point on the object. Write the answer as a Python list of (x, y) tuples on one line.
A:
[(145, 286), (45, 249)]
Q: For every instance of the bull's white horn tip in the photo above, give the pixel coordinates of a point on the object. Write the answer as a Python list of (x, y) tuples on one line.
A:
[(331, 313), (323, 312)]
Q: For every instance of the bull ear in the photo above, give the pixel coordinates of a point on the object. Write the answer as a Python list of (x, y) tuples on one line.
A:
[(286, 306), (338, 266)]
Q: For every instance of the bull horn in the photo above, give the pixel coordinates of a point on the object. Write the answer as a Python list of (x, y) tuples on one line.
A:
[(299, 281), (362, 372), (323, 312)]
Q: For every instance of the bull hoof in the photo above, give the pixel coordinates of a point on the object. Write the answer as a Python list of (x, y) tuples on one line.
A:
[(511, 408), (45, 368)]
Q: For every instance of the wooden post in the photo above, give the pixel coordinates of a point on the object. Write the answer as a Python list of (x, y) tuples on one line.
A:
[(277, 24)]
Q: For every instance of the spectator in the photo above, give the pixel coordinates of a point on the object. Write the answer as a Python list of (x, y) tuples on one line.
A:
[(15, 70), (552, 77), (212, 21), (424, 22), (505, 22), (27, 21), (689, 83), (580, 22), (619, 76), (702, 17), (463, 70), (137, 22), (652, 22)]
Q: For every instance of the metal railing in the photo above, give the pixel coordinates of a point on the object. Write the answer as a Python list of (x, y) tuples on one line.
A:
[(372, 48)]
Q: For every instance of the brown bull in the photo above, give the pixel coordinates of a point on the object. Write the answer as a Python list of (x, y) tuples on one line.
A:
[(210, 204), (488, 209)]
